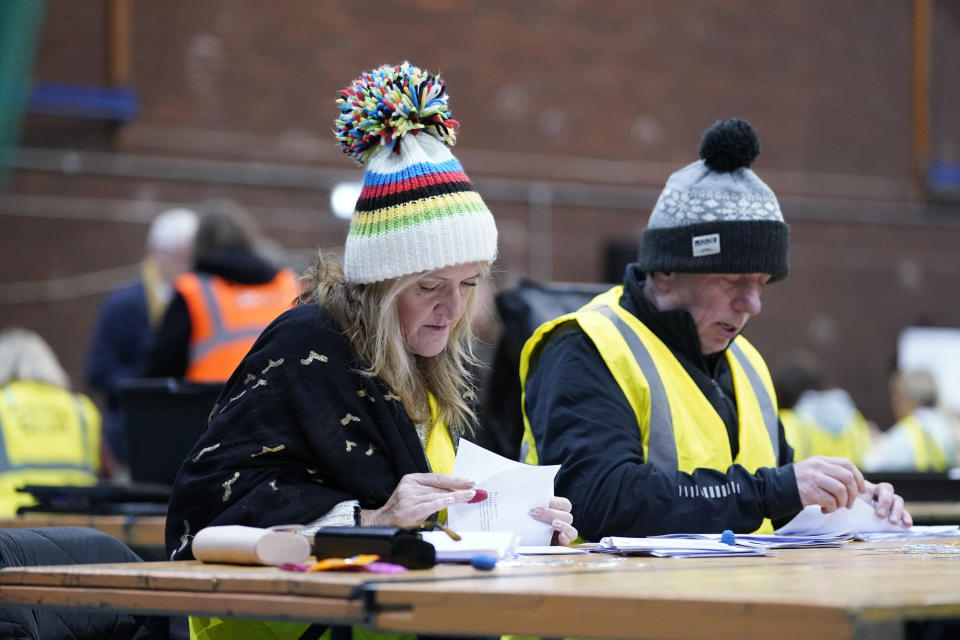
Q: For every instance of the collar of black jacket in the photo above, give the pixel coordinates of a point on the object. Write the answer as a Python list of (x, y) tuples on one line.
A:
[(675, 328)]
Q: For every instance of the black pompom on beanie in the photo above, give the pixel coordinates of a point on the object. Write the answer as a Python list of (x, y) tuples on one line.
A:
[(716, 215)]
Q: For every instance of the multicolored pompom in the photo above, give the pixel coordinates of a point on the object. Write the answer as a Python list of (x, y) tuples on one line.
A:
[(383, 105)]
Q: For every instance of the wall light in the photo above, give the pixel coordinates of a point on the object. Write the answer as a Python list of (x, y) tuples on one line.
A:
[(343, 198)]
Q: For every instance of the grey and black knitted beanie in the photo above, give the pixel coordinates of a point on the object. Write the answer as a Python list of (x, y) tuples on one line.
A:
[(716, 215)]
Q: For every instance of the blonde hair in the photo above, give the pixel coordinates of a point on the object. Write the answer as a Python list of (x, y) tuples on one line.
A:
[(24, 355), (917, 386), (367, 315)]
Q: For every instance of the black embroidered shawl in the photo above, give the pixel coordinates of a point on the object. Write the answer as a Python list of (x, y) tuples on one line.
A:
[(295, 432)]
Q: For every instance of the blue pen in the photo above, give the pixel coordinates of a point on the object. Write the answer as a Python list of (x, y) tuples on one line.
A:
[(483, 562), (727, 537)]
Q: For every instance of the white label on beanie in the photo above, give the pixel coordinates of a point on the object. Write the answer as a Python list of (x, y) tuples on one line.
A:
[(706, 245)]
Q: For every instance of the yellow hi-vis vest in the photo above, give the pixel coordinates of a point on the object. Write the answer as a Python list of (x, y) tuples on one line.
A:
[(440, 455), (808, 438), (679, 428), (48, 436), (927, 453)]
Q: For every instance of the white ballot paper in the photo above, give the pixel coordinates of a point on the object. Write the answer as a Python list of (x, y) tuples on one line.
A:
[(858, 519), (861, 521), (496, 544), (237, 544), (513, 488)]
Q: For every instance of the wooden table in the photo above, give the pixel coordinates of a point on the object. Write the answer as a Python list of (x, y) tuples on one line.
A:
[(136, 531), (863, 590), (858, 591), (177, 588)]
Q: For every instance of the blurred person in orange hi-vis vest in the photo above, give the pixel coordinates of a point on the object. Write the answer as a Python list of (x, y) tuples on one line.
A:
[(221, 306)]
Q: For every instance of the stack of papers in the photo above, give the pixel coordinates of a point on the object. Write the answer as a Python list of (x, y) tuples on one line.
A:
[(549, 550), (674, 547), (862, 522), (773, 541), (913, 533), (810, 528), (496, 544)]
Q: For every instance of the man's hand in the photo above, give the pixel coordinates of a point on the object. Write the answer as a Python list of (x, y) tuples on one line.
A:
[(888, 504), (831, 483)]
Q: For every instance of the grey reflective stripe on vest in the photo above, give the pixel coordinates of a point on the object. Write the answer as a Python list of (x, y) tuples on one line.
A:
[(770, 419), (84, 432), (6, 466), (219, 335), (662, 446)]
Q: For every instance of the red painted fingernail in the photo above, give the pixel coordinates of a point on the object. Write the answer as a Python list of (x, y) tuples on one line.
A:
[(480, 497)]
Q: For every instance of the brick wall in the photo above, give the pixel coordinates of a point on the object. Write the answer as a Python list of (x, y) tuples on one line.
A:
[(592, 104)]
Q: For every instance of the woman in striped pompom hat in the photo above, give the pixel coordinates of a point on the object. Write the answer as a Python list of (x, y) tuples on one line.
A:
[(349, 407)]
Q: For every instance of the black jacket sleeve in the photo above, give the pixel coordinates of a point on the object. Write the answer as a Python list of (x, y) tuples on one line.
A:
[(169, 352), (581, 420)]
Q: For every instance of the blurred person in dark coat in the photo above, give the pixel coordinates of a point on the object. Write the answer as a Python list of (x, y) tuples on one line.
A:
[(118, 345)]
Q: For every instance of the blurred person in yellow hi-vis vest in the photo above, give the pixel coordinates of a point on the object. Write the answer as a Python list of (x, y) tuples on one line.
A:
[(818, 421), (50, 436), (924, 436)]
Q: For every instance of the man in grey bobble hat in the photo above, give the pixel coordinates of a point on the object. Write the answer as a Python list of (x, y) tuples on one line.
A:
[(716, 215), (662, 416)]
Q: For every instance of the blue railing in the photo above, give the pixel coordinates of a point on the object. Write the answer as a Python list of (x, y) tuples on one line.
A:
[(104, 103)]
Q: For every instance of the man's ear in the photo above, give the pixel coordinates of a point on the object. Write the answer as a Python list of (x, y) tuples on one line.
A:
[(663, 281)]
